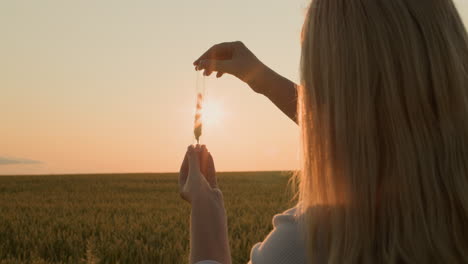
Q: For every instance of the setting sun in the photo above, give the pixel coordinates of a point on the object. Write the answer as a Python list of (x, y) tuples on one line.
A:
[(213, 113)]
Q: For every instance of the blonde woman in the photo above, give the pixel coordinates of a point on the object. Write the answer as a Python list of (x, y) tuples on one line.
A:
[(383, 113)]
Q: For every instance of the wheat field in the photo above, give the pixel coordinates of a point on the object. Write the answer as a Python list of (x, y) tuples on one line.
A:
[(126, 218)]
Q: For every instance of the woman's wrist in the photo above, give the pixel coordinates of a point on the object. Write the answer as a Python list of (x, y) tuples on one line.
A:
[(281, 91), (212, 197), (259, 78), (208, 229)]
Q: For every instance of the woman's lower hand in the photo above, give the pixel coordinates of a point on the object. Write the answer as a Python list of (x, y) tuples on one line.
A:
[(197, 178), (208, 221), (233, 58)]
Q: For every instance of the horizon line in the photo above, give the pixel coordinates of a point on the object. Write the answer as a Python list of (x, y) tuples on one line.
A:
[(134, 173)]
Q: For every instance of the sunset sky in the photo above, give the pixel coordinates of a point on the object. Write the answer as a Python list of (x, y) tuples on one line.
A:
[(108, 86)]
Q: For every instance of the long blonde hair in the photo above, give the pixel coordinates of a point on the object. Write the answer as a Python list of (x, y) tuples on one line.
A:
[(383, 111)]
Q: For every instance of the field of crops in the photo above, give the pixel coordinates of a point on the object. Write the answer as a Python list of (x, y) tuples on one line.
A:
[(126, 218)]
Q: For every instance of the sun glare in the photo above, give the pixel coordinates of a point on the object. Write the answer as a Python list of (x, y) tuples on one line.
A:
[(212, 113)]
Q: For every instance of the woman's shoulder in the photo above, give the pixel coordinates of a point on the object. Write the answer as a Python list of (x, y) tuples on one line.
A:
[(284, 244), (288, 217)]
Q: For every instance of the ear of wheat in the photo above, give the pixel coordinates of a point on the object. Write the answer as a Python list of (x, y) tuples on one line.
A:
[(197, 128)]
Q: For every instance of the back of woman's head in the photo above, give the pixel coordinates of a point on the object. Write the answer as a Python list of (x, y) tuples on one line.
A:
[(383, 109)]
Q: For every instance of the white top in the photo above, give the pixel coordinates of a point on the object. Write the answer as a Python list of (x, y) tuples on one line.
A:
[(283, 245)]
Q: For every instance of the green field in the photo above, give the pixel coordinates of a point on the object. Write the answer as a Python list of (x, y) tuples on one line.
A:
[(126, 218)]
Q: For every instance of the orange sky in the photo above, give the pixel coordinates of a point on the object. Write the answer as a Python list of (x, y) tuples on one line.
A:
[(108, 86)]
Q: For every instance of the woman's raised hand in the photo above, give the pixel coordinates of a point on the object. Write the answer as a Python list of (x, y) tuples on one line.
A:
[(236, 59), (230, 57), (197, 178)]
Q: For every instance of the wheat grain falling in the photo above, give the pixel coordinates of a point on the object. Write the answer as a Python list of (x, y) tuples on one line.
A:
[(200, 90), (197, 128)]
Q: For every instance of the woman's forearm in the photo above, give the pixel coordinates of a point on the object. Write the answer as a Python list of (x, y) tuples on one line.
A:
[(208, 229), (281, 91)]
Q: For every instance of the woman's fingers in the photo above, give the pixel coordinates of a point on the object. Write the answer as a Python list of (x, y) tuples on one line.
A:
[(183, 170), (207, 166), (184, 166), (197, 173), (207, 73), (203, 160), (222, 51), (210, 66), (231, 57), (193, 160), (211, 172), (218, 58)]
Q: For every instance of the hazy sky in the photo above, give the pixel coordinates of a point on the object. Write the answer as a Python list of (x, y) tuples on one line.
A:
[(108, 86)]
